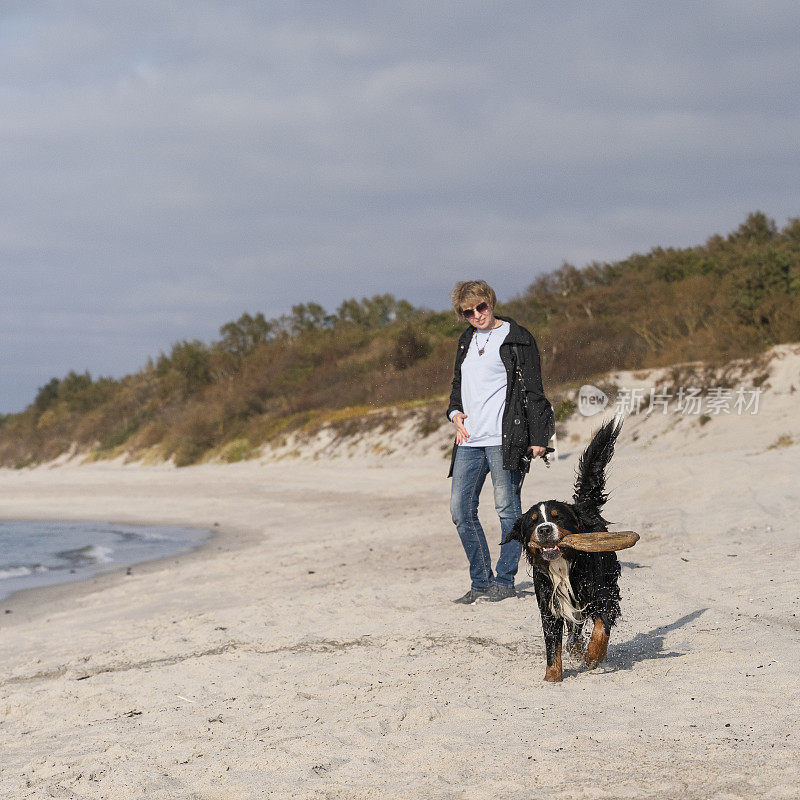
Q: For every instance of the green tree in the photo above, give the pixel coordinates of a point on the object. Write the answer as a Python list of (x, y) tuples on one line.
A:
[(187, 368), (375, 312), (245, 334), (46, 395), (309, 317), (764, 272), (758, 228), (76, 391)]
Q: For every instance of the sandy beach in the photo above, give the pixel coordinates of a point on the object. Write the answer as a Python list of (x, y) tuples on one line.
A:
[(310, 649)]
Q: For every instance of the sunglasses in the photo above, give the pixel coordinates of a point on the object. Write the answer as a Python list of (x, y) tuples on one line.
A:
[(469, 313)]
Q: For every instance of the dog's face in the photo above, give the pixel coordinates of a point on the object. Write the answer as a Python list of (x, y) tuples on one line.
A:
[(542, 527)]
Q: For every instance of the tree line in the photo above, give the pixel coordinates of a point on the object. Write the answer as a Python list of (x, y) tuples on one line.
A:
[(730, 297)]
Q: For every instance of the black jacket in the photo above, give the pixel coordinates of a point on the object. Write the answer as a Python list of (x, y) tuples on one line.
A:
[(516, 438)]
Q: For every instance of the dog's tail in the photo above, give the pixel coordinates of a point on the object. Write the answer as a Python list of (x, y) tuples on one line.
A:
[(590, 483)]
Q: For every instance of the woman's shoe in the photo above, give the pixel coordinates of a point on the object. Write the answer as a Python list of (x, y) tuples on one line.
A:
[(471, 596), (495, 593)]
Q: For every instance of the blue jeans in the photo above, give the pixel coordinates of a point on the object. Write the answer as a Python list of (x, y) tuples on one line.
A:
[(470, 469)]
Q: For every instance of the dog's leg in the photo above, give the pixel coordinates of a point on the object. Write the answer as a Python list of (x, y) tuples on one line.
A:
[(552, 626), (598, 644), (574, 639), (553, 629)]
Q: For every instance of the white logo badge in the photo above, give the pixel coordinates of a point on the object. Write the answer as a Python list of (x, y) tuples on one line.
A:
[(591, 400)]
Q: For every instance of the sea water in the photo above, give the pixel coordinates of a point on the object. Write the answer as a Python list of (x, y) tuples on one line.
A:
[(44, 553)]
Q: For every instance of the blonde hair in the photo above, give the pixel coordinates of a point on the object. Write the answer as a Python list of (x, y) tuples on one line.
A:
[(471, 290)]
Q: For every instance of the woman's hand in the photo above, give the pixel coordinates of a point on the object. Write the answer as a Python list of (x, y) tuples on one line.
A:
[(461, 431), (536, 451)]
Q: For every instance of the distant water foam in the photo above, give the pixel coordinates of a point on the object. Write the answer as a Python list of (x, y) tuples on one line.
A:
[(42, 553)]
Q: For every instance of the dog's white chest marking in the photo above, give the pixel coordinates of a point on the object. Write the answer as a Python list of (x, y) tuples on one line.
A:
[(563, 602)]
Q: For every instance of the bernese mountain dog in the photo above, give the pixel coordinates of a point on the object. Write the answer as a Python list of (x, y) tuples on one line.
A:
[(574, 587)]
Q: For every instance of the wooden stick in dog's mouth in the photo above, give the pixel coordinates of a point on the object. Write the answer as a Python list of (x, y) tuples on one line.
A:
[(600, 541)]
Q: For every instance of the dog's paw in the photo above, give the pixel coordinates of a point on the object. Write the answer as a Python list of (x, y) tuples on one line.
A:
[(553, 674), (598, 645), (595, 654)]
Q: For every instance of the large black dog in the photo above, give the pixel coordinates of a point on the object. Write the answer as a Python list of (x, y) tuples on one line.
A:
[(573, 586)]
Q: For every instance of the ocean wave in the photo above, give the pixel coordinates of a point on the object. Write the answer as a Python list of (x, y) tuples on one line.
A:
[(144, 535), (20, 571), (89, 554)]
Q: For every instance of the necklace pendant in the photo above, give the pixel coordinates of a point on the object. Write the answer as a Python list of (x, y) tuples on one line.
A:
[(485, 342)]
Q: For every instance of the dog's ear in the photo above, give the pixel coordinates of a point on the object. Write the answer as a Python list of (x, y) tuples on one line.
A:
[(518, 531)]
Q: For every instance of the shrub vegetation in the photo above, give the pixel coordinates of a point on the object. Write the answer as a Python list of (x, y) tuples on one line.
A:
[(731, 297)]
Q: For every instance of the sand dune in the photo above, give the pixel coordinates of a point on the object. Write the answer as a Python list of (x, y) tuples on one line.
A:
[(310, 649)]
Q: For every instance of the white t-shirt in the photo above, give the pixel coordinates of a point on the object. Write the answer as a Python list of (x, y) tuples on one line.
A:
[(483, 388)]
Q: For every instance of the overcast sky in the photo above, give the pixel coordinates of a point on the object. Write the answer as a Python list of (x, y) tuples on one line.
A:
[(169, 164)]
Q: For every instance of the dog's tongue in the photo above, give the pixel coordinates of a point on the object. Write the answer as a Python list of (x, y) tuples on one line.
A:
[(550, 553)]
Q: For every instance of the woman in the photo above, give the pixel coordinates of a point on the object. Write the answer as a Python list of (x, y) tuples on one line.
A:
[(497, 425)]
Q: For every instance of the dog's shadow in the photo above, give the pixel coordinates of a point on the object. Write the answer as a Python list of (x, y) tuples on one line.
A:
[(647, 646)]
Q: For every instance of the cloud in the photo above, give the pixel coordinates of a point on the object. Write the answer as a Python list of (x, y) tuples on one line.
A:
[(183, 162)]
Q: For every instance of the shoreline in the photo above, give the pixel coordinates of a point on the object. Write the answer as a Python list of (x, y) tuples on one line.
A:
[(31, 603)]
